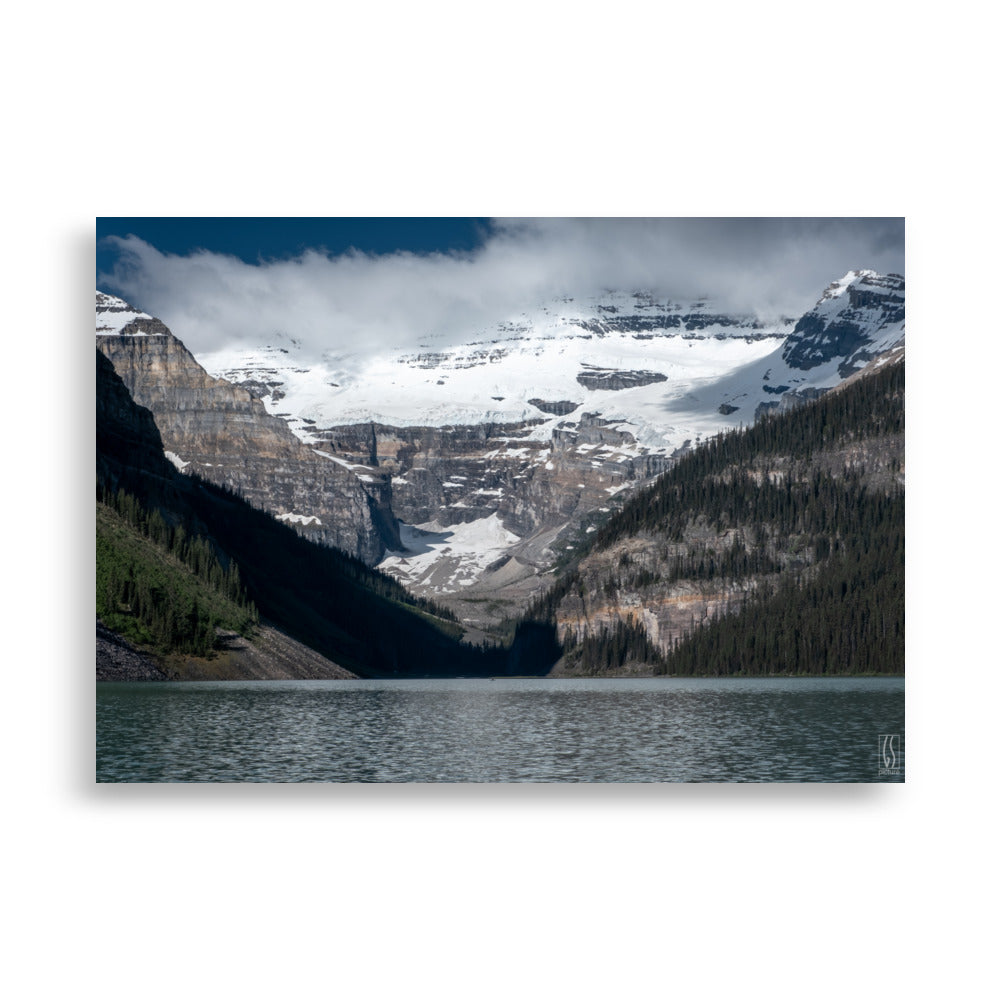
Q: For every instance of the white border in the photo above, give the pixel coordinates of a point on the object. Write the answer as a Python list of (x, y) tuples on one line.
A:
[(762, 110)]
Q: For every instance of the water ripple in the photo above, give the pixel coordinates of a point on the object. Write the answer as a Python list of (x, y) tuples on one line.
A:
[(508, 730)]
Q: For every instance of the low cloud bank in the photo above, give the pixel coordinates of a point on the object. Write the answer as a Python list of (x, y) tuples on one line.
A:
[(361, 302)]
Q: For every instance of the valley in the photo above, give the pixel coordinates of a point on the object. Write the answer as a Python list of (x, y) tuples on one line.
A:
[(500, 455), (512, 475)]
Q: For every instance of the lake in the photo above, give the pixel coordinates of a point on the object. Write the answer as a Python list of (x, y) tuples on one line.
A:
[(504, 730)]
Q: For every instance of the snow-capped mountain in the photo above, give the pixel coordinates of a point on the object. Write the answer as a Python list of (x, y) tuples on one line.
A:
[(498, 450), (468, 469), (858, 318), (116, 318), (593, 355), (666, 372), (220, 432)]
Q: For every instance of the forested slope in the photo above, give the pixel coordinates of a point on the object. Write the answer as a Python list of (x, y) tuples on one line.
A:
[(160, 588), (774, 549)]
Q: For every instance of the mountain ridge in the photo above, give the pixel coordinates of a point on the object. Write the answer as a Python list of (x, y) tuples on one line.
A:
[(223, 433), (849, 440), (570, 409)]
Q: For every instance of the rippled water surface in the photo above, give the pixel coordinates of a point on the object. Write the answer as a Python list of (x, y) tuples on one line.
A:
[(797, 729)]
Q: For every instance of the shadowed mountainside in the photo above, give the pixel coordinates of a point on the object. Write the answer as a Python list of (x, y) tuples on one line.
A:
[(354, 616)]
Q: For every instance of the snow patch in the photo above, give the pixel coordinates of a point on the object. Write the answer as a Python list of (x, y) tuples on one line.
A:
[(299, 519), (448, 558), (114, 314)]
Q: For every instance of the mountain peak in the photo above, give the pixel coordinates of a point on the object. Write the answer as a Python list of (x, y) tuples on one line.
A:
[(116, 318), (857, 318), (837, 288)]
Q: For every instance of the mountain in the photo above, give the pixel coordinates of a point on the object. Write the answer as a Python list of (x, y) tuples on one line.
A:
[(153, 592), (224, 434), (503, 452), (858, 318), (773, 549), (323, 613), (621, 355), (558, 361)]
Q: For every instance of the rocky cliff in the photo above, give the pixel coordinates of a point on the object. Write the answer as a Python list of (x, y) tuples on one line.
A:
[(319, 608), (493, 504), (223, 433), (129, 446), (856, 319)]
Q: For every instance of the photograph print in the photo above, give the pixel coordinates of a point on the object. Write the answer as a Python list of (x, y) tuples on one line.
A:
[(500, 500)]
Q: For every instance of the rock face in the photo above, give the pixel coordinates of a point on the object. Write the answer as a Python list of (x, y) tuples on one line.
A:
[(224, 434), (857, 318), (643, 316), (494, 506), (610, 378), (667, 613), (128, 441), (455, 475), (557, 407)]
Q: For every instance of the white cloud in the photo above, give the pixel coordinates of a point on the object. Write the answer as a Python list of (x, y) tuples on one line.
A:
[(362, 302)]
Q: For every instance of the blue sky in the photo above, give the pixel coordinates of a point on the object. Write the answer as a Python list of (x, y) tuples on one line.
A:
[(256, 239)]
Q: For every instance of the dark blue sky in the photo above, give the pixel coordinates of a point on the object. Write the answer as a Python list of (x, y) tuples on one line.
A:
[(254, 239)]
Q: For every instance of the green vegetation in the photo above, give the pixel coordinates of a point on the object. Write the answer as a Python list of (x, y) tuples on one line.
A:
[(161, 587), (611, 649), (801, 512), (847, 618)]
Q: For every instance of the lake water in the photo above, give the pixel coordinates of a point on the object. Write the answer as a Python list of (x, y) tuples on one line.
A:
[(504, 730)]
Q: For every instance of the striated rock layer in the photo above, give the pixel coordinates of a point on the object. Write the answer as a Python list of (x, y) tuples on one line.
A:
[(487, 509), (223, 433)]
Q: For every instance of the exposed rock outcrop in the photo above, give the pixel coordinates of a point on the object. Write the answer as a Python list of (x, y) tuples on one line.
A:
[(609, 378), (119, 660), (857, 318), (224, 434), (476, 487), (454, 475), (557, 407)]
